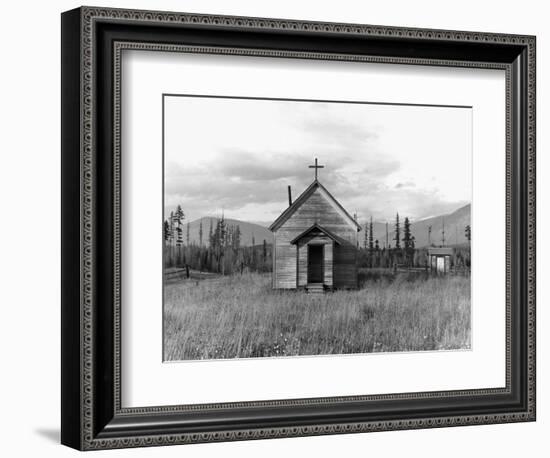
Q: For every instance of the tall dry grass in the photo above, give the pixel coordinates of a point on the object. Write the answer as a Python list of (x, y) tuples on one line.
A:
[(241, 317)]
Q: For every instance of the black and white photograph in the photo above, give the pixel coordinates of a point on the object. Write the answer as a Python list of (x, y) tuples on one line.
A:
[(314, 227)]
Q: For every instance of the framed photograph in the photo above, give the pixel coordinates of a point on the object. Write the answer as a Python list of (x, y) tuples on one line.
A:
[(276, 228)]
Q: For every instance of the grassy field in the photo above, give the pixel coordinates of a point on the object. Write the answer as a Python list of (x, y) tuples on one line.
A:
[(241, 316)]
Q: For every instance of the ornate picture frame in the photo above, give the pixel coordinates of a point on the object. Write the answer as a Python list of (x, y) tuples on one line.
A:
[(93, 416)]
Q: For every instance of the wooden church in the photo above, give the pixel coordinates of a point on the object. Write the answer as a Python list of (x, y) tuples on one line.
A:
[(315, 242)]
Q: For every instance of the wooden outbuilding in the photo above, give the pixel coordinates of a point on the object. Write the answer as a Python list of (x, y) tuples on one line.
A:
[(315, 243), (440, 259)]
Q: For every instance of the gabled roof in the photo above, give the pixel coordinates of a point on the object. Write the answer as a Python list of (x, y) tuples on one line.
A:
[(302, 198), (329, 234)]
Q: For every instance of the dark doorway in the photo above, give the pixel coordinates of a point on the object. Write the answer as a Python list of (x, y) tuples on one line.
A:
[(315, 263)]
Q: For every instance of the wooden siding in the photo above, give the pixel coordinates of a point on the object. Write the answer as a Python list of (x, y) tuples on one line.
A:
[(285, 262), (329, 265), (290, 261), (302, 264), (345, 266)]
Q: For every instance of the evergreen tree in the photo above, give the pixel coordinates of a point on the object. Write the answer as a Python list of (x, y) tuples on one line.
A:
[(223, 231), (237, 238), (397, 233), (166, 231), (200, 233), (371, 236), (179, 217), (408, 242), (407, 239), (468, 233), (187, 235), (171, 228), (253, 256), (223, 234)]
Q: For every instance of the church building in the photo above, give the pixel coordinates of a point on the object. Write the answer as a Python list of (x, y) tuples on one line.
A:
[(315, 243)]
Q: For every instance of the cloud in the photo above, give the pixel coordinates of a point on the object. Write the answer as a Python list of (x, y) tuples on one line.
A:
[(342, 132), (408, 184), (376, 160), (237, 179), (260, 166), (408, 201)]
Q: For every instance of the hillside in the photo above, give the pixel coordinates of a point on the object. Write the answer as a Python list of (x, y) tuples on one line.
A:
[(455, 224), (248, 230)]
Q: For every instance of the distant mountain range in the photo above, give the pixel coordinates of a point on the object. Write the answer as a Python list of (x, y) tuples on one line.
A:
[(248, 231), (454, 222)]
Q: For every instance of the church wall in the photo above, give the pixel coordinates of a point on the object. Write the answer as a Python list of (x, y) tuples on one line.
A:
[(291, 263), (285, 260), (345, 266), (329, 265)]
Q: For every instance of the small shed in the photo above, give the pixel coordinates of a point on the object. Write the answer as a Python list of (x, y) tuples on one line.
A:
[(315, 243), (440, 259)]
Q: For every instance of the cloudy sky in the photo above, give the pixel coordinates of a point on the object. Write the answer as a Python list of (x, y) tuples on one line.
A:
[(240, 155)]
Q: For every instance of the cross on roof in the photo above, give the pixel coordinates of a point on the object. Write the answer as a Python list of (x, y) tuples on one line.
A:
[(316, 167)]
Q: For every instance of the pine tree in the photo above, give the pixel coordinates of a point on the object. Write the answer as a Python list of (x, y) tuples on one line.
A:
[(223, 231), (179, 217), (237, 238), (223, 234), (210, 235), (407, 239), (171, 228), (468, 233), (200, 233), (187, 235), (366, 239), (397, 233), (166, 228), (371, 236), (253, 252)]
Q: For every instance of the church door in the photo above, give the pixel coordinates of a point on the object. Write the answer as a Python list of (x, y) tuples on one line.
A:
[(315, 263)]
